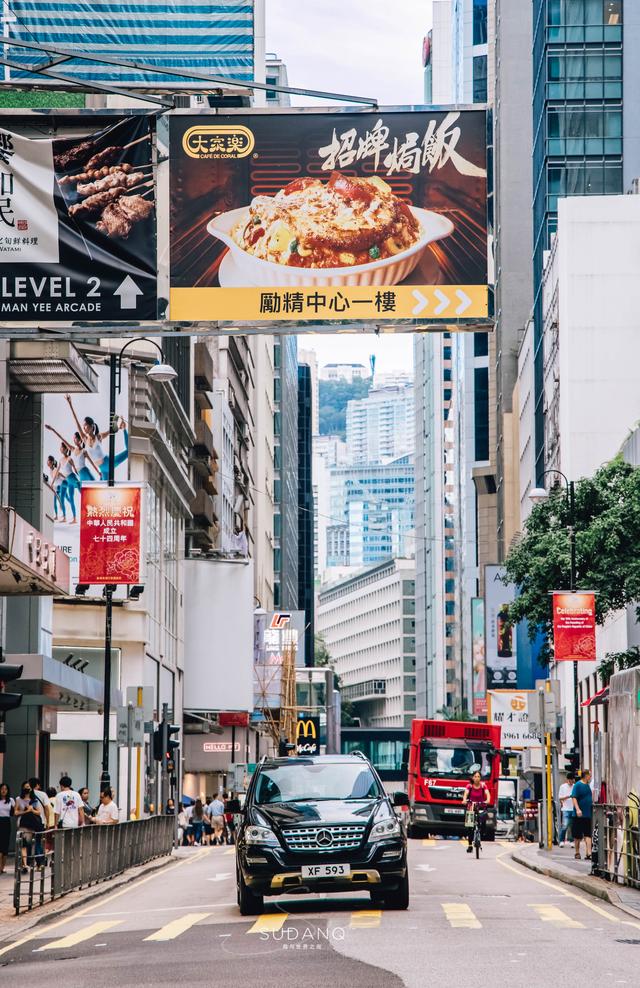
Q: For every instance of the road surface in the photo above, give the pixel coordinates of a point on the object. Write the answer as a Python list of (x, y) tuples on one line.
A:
[(470, 923)]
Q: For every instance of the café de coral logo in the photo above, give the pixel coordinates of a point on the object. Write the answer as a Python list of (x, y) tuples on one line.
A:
[(218, 141)]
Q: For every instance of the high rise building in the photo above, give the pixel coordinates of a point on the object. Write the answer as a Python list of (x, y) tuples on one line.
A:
[(343, 372), (306, 583), (276, 75), (310, 358), (367, 621), (285, 484), (381, 427)]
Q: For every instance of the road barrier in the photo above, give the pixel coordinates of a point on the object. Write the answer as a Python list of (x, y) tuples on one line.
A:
[(616, 842), (50, 864)]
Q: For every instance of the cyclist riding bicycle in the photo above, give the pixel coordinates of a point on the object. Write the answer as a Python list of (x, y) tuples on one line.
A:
[(476, 793)]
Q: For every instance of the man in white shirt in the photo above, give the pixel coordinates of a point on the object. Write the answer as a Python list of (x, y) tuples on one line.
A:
[(68, 807), (107, 811), (216, 812), (566, 809)]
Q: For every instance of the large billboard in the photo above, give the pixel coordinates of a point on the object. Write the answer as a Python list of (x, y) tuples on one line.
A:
[(574, 627), (111, 534), (274, 633), (479, 657), (320, 216), (77, 224), (509, 710), (500, 633), (76, 452)]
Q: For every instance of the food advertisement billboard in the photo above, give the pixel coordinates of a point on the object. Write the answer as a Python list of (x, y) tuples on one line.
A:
[(77, 223), (574, 627), (111, 534), (509, 710), (500, 633), (323, 216)]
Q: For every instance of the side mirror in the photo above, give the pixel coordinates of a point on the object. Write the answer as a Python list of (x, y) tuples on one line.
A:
[(400, 799)]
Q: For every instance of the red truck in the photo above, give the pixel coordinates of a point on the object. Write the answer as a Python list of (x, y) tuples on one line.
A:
[(441, 756)]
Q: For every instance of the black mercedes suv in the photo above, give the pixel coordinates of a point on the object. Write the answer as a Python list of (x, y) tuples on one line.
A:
[(320, 824)]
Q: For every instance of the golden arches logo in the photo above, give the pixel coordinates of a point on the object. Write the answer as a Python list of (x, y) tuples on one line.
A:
[(218, 141), (306, 729)]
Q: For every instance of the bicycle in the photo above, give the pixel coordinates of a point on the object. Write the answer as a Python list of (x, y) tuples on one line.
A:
[(472, 821)]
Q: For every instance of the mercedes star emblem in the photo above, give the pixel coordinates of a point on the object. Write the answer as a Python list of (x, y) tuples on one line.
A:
[(324, 838)]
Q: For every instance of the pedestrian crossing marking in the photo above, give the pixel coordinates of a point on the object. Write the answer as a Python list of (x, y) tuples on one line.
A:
[(460, 915), (177, 926), (86, 933), (365, 919), (269, 923), (551, 914)]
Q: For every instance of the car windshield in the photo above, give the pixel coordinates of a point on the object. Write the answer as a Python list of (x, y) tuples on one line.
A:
[(301, 781), (454, 762)]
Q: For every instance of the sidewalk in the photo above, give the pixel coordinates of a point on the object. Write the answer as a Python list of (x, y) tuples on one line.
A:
[(560, 863), (12, 925)]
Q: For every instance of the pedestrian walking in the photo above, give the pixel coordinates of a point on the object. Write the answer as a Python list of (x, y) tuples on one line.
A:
[(107, 813), (183, 825), (7, 806), (582, 798), (68, 807), (197, 822), (566, 810), (216, 814), (28, 810), (40, 795), (207, 828), (52, 792)]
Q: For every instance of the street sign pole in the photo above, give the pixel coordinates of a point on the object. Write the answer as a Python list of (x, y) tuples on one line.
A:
[(129, 742), (138, 762)]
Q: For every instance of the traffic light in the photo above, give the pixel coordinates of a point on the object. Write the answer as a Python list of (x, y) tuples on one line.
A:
[(158, 742), (572, 763), (170, 746), (9, 673)]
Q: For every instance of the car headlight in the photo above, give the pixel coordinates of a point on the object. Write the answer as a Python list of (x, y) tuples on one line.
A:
[(390, 827), (260, 835)]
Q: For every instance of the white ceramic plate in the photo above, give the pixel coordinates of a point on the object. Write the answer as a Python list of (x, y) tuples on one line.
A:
[(252, 270)]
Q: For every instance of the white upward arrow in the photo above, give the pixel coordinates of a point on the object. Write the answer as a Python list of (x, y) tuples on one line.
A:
[(444, 301), (421, 300), (425, 867), (128, 292), (465, 301)]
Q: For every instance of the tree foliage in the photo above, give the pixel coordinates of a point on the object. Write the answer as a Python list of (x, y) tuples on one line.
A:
[(607, 527), (617, 661), (333, 397)]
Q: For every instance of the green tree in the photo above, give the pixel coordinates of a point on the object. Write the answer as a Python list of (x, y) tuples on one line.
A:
[(323, 658), (607, 529), (332, 398)]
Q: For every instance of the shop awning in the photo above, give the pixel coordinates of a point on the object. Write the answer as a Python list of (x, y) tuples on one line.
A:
[(600, 697)]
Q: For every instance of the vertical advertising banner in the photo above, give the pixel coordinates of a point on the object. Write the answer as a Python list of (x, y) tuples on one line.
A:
[(274, 632), (110, 534), (479, 657), (76, 452), (77, 224), (574, 627), (298, 216), (308, 736), (501, 644)]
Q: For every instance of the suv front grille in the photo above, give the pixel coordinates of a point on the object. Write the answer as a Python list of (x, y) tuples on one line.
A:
[(343, 837)]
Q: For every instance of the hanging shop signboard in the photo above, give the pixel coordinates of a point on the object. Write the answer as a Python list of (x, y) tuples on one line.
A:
[(324, 216)]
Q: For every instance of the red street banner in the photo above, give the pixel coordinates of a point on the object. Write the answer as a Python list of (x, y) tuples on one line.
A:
[(574, 627), (233, 718), (110, 527)]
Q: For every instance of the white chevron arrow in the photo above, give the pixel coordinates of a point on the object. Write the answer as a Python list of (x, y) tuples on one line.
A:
[(444, 301), (465, 301), (421, 300)]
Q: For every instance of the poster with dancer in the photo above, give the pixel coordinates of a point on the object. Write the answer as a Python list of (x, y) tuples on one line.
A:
[(76, 452)]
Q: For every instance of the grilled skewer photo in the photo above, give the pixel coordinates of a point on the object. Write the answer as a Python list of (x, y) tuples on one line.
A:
[(119, 217), (95, 173), (117, 179), (76, 156)]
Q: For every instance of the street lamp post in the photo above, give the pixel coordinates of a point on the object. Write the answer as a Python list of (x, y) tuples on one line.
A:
[(537, 495), (159, 372)]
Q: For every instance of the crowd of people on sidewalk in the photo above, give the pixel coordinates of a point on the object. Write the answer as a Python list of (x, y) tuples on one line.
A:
[(38, 811), (206, 823)]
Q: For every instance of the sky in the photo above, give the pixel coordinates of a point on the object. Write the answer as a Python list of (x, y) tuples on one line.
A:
[(361, 48)]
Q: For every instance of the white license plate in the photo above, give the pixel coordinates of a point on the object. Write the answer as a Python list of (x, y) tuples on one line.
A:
[(326, 871), (454, 809)]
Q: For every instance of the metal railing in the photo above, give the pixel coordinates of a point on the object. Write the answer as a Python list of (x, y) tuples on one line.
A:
[(616, 842), (52, 863)]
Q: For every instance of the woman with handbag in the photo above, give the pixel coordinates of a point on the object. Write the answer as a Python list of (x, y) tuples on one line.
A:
[(7, 805), (28, 810)]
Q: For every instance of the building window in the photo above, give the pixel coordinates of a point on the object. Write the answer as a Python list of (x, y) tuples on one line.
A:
[(479, 22), (272, 80), (480, 344), (450, 607), (481, 412), (480, 79)]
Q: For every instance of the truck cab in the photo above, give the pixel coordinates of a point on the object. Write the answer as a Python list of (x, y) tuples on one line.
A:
[(441, 756)]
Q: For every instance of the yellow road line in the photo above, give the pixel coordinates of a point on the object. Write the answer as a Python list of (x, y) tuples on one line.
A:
[(86, 933), (460, 915), (557, 887), (177, 926), (551, 914), (428, 841), (365, 919), (269, 923), (132, 887)]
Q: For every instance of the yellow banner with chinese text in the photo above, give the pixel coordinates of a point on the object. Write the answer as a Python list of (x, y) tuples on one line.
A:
[(444, 303)]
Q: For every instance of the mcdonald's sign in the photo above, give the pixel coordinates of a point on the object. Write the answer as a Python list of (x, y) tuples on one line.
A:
[(308, 736)]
